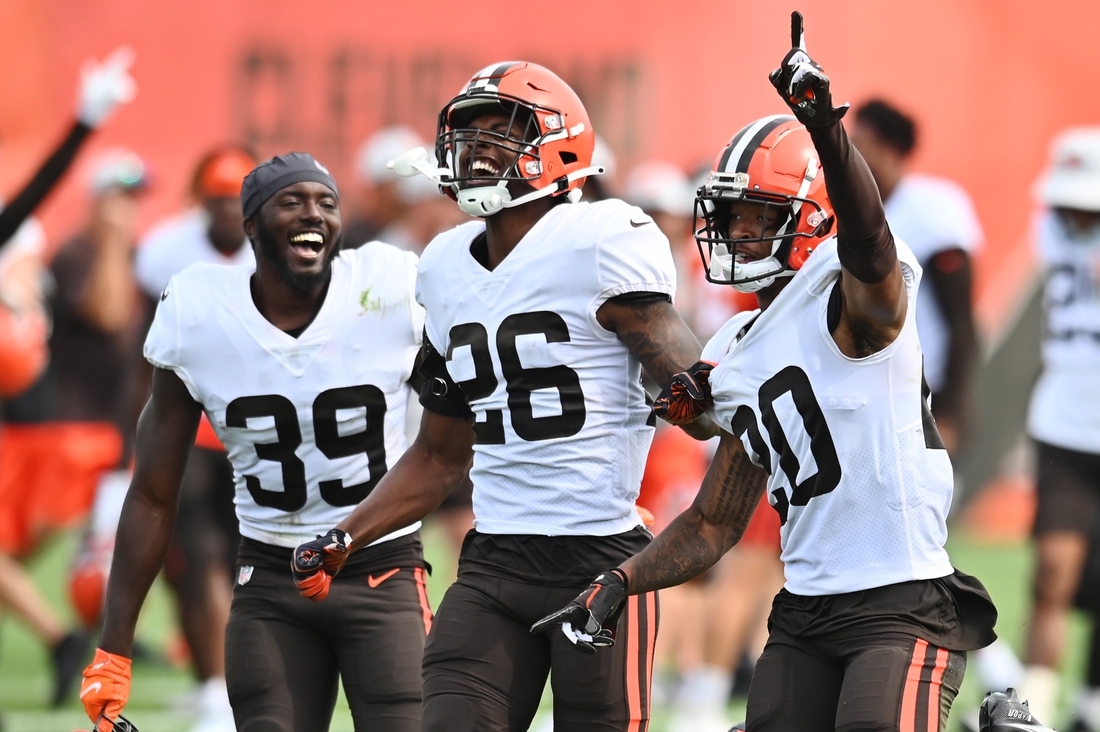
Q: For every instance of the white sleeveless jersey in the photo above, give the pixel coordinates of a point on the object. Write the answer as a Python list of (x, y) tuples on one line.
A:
[(1065, 405), (563, 427), (310, 423), (856, 468)]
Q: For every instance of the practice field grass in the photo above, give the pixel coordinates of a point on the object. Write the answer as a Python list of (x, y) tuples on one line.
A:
[(24, 677)]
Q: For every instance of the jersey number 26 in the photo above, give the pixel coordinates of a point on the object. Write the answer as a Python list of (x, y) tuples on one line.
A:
[(520, 381)]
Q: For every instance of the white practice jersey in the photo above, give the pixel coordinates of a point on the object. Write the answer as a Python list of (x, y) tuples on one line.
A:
[(1065, 405), (932, 215), (175, 245), (310, 423), (562, 423), (856, 467)]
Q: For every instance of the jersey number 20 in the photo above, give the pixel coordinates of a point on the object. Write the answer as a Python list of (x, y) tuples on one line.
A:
[(330, 442), (520, 381)]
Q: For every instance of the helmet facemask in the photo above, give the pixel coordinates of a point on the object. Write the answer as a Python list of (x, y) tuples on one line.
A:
[(713, 207), (479, 189)]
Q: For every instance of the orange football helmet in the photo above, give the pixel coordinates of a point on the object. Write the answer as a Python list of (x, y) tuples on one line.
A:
[(771, 161), (553, 154)]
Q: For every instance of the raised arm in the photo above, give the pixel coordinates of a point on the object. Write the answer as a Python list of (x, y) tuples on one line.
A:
[(873, 296), (165, 433), (103, 87), (659, 338)]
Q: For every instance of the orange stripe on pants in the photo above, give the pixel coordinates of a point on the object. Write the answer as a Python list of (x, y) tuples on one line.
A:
[(633, 682), (422, 591), (912, 686)]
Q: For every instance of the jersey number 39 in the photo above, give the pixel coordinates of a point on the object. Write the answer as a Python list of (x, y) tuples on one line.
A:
[(330, 442)]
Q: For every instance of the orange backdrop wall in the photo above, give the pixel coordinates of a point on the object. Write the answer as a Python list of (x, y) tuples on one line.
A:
[(990, 81)]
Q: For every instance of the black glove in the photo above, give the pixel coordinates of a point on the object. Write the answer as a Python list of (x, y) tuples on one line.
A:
[(589, 620), (316, 562), (803, 85), (687, 395)]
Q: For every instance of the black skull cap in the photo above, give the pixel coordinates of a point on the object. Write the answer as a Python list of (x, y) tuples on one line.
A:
[(270, 177)]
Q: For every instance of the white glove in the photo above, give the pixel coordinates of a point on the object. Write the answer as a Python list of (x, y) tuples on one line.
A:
[(104, 86)]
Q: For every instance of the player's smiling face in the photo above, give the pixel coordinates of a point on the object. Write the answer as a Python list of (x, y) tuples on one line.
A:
[(485, 163), (749, 220), (299, 229)]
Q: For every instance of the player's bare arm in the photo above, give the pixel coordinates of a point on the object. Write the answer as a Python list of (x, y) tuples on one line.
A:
[(428, 471), (659, 338), (873, 295), (692, 544), (165, 433), (715, 521)]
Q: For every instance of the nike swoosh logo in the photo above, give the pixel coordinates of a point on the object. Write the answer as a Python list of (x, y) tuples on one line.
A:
[(164, 295), (637, 224), (374, 582), (97, 686)]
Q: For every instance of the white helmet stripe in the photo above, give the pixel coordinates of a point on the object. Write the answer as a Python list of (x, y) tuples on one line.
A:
[(489, 77), (732, 158)]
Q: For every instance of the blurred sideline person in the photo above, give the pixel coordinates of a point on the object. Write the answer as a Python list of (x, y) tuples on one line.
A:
[(871, 629), (404, 212), (204, 545), (26, 514), (336, 369), (1064, 413), (539, 320), (936, 218)]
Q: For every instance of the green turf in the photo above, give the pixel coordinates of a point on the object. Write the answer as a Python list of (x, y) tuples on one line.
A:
[(24, 679)]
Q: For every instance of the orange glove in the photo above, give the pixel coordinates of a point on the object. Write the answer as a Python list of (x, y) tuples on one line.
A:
[(687, 396), (106, 686), (316, 562)]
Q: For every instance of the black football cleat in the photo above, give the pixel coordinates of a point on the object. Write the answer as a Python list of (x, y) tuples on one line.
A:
[(1002, 711)]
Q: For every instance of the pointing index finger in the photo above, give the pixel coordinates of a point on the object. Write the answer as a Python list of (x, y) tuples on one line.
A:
[(798, 33)]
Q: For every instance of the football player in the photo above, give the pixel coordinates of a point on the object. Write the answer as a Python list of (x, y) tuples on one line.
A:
[(540, 319), (819, 395), (1064, 413), (302, 365)]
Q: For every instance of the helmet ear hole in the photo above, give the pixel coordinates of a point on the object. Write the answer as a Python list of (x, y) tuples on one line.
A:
[(567, 158)]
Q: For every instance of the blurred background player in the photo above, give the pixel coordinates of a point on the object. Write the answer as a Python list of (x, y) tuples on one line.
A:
[(404, 212), (31, 505), (204, 548), (936, 219), (1064, 414)]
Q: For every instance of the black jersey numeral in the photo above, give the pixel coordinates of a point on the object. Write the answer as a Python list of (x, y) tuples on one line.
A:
[(333, 445), (293, 495), (520, 381), (794, 381), (484, 381), (370, 442)]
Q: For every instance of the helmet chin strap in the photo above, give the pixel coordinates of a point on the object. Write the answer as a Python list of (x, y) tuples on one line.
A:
[(483, 201), (480, 201)]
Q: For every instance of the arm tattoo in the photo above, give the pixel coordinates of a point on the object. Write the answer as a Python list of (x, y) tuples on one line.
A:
[(699, 536), (655, 334)]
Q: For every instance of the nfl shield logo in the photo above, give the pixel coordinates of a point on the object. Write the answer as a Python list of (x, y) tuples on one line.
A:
[(244, 574)]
